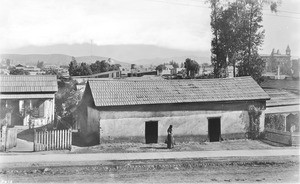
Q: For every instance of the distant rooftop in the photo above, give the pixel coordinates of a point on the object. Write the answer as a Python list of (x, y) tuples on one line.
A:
[(292, 85), (281, 97)]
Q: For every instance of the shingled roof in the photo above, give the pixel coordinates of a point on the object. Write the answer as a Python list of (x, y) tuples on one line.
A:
[(28, 83), (126, 92)]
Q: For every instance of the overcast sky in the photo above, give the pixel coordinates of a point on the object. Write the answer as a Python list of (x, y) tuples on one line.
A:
[(180, 24)]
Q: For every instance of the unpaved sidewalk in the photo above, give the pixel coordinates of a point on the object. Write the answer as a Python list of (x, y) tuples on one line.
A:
[(241, 144), (37, 158)]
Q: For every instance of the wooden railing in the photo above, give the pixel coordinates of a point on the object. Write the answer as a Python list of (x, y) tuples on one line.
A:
[(52, 140)]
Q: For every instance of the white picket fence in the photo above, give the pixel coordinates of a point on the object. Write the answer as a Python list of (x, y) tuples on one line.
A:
[(52, 140)]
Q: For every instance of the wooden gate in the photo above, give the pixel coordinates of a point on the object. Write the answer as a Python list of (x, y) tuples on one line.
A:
[(8, 138), (52, 140)]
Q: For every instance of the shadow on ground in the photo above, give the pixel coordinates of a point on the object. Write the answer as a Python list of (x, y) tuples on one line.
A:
[(150, 147), (79, 141)]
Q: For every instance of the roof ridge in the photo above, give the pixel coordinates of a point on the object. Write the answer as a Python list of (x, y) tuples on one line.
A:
[(150, 80)]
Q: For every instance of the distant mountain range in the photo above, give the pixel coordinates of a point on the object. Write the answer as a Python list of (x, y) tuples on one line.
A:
[(61, 54), (54, 59)]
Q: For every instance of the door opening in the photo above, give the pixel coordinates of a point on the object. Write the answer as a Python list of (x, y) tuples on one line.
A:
[(214, 129), (151, 131)]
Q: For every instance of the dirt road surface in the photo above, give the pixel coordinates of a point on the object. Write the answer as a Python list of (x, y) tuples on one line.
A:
[(206, 170)]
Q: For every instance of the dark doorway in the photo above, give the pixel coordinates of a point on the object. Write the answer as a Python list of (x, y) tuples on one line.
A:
[(214, 129), (151, 131)]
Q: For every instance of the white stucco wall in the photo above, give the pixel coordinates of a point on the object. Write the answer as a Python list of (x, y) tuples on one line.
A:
[(191, 125)]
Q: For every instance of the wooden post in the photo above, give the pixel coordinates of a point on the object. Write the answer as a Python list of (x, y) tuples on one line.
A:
[(34, 139), (46, 145), (42, 141), (70, 131), (50, 139), (64, 139), (3, 138), (55, 137), (61, 141)]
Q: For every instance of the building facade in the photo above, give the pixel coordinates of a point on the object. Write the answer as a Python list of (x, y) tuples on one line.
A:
[(29, 99), (141, 111)]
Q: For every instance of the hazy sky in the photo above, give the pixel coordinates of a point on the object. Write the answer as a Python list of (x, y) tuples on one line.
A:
[(180, 24)]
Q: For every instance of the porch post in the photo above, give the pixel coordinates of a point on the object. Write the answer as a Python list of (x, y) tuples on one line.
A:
[(285, 115), (53, 108)]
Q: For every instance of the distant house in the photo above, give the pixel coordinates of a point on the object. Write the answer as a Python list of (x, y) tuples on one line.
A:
[(142, 110), (166, 70), (32, 70), (26, 95), (276, 63), (206, 70), (109, 75), (177, 70)]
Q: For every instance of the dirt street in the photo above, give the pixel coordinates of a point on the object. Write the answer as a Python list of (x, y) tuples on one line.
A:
[(233, 169)]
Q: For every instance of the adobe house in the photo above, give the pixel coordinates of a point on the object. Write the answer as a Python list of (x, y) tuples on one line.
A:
[(141, 111), (29, 97)]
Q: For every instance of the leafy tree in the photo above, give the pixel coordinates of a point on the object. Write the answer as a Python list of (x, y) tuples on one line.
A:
[(73, 66), (192, 67), (66, 99), (237, 34), (182, 65), (84, 69), (174, 64), (115, 67), (99, 67), (160, 67), (8, 62), (40, 64), (14, 71), (218, 55), (253, 67), (133, 66)]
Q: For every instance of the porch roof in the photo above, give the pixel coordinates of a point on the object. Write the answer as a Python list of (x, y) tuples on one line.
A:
[(26, 96), (28, 83)]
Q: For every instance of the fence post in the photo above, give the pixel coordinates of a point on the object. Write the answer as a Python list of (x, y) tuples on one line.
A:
[(55, 137), (60, 139), (4, 137), (70, 135), (63, 140), (34, 139), (47, 140)]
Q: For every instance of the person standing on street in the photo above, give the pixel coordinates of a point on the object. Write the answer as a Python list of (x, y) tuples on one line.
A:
[(170, 139)]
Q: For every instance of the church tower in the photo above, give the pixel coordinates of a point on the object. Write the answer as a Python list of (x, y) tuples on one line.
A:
[(288, 51)]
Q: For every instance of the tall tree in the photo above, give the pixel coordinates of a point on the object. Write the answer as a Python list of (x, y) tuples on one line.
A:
[(72, 66), (174, 64), (160, 67), (237, 35), (252, 39), (218, 55)]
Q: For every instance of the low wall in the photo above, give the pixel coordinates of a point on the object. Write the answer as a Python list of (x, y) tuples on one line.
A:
[(295, 138), (279, 136)]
